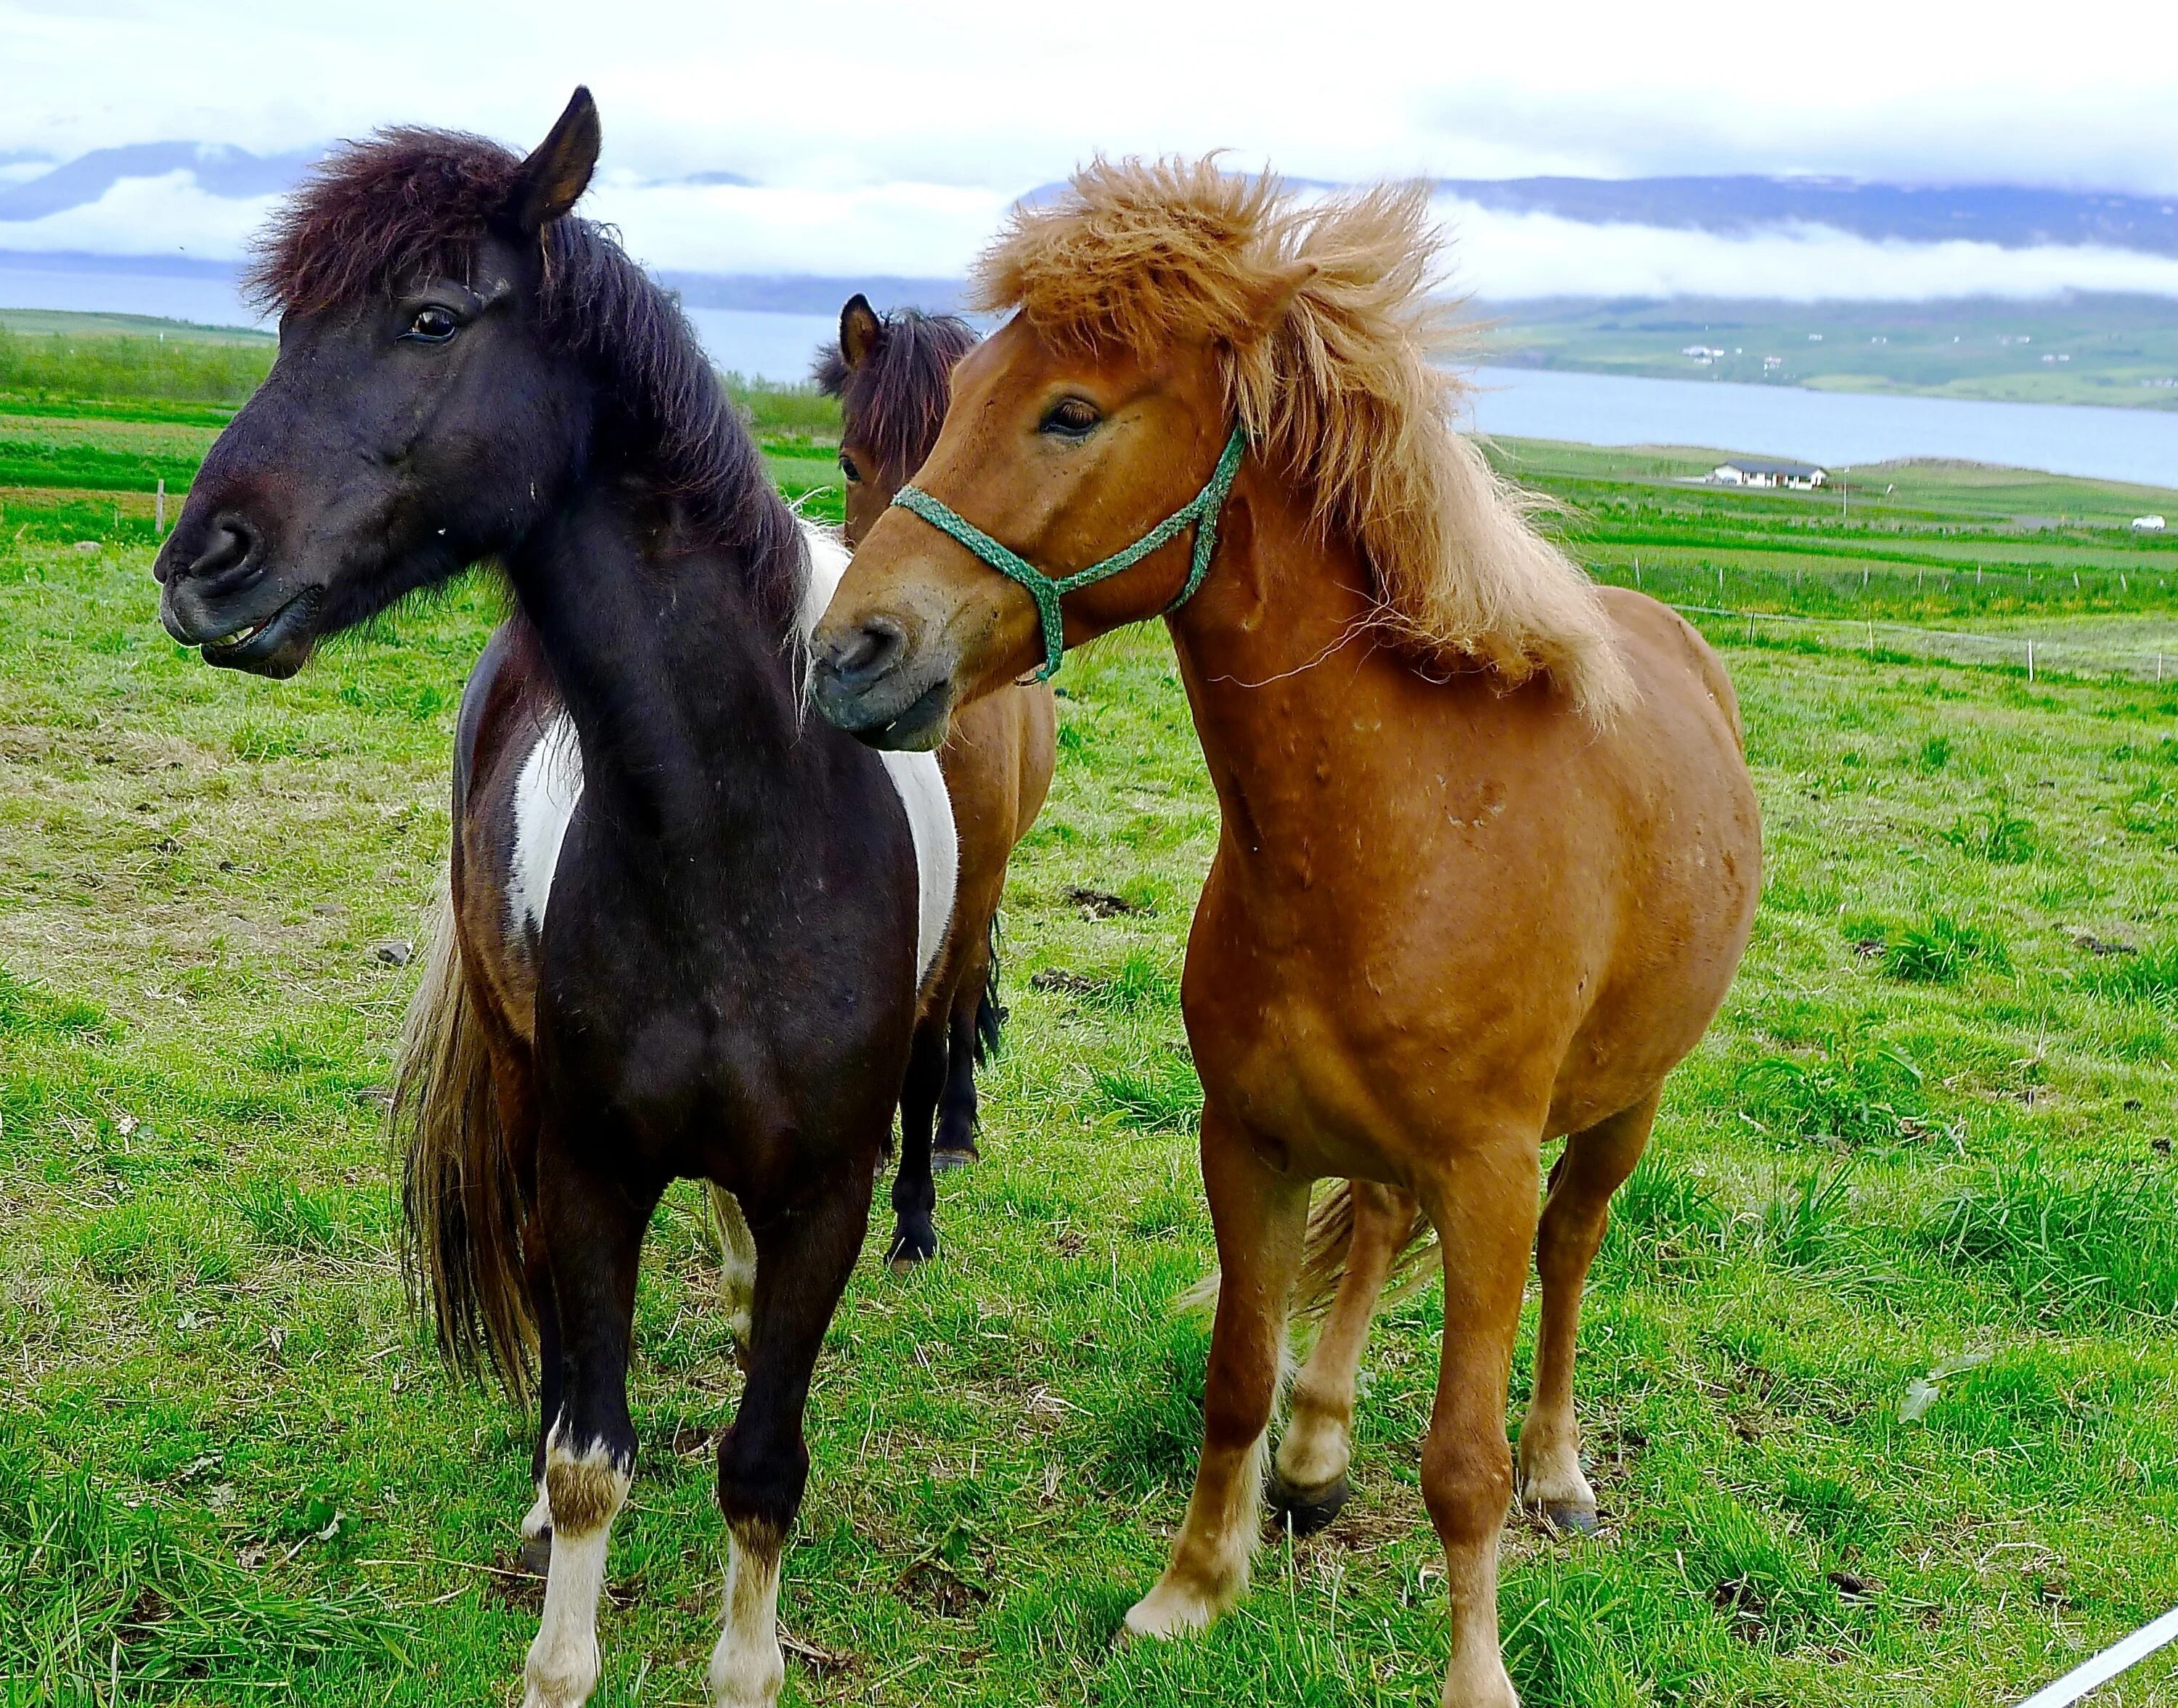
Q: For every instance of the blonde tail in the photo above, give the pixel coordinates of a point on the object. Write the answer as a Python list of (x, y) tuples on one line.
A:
[(1324, 1247)]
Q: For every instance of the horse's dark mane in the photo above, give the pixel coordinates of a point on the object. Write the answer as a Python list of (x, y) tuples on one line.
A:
[(377, 217), (896, 402)]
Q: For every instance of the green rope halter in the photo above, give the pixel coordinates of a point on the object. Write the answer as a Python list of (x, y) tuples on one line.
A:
[(1047, 590)]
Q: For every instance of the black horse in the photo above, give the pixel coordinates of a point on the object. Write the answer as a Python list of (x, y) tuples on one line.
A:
[(740, 900)]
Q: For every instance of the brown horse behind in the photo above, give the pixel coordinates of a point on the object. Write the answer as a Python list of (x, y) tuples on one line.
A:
[(893, 376), (1489, 851)]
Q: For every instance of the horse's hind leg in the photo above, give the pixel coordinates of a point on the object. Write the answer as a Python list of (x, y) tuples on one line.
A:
[(802, 1264), (1595, 1164), (1317, 1446), (595, 1219), (955, 1146), (1260, 1214), (537, 1523), (914, 1192)]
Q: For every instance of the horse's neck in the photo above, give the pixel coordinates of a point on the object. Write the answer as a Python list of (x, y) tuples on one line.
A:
[(681, 691), (1283, 667)]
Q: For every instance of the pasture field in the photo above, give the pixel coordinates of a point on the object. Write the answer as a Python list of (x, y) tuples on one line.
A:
[(1877, 1377), (2119, 352)]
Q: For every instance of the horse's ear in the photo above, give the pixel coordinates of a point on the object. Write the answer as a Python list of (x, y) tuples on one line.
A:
[(553, 178), (860, 329)]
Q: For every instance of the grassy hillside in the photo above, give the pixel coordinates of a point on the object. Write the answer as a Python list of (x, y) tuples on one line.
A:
[(2117, 351)]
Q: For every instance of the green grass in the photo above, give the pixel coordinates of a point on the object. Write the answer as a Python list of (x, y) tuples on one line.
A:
[(1925, 1151)]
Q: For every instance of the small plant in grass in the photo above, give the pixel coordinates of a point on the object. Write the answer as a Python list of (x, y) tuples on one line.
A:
[(1854, 1093), (1159, 1095), (1935, 753), (1939, 950), (2073, 1249), (280, 1212), (1805, 1224), (1662, 1219), (2150, 978), (1995, 834)]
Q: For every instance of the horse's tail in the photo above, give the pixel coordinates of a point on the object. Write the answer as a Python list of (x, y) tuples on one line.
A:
[(1325, 1245), (461, 1202), (990, 1012)]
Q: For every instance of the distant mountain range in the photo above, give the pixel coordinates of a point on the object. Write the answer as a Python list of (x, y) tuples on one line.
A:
[(2011, 217)]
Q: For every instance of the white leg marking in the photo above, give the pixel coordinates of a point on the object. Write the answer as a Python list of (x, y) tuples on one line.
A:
[(746, 1668), (538, 1519), (544, 797), (585, 1492)]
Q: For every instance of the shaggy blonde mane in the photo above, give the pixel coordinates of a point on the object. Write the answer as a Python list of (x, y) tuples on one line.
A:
[(1325, 314)]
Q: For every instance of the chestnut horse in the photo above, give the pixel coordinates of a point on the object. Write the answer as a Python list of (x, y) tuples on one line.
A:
[(893, 375), (1489, 850), (693, 925)]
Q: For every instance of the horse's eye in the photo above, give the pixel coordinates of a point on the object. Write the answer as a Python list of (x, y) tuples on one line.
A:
[(1070, 418), (847, 467), (432, 326)]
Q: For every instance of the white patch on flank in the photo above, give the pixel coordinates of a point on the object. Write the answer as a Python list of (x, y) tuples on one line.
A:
[(561, 1669), (921, 783), (922, 788), (544, 797), (746, 1668)]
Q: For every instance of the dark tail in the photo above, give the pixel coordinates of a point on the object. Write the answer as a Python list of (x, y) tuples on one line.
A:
[(990, 1012), (461, 1248), (1324, 1247)]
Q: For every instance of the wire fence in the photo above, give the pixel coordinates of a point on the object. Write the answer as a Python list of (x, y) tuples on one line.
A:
[(2035, 655)]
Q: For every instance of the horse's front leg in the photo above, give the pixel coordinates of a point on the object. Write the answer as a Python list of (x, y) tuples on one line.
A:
[(804, 1260), (594, 1216), (1259, 1212), (1482, 1201)]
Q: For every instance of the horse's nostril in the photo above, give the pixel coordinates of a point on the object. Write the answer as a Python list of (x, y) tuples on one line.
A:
[(871, 651), (226, 560)]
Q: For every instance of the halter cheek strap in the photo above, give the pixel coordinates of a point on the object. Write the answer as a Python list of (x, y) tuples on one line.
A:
[(1047, 591)]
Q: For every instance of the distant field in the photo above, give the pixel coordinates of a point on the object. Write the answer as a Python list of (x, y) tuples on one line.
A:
[(2121, 351)]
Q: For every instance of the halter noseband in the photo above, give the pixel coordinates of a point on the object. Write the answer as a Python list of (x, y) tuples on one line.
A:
[(1047, 590)]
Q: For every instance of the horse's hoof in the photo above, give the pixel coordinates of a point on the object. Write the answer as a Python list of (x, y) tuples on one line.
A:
[(1570, 1520), (535, 1554), (1303, 1513), (907, 1252), (944, 1162)]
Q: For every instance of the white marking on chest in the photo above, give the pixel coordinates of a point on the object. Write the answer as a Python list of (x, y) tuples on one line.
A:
[(550, 783)]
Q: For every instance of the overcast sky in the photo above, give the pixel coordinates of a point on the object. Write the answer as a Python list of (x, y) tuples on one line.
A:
[(890, 137)]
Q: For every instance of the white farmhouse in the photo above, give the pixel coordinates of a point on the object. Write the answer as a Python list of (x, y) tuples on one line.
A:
[(1757, 471)]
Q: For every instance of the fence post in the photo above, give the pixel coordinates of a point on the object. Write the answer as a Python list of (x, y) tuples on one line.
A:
[(2030, 661), (159, 523)]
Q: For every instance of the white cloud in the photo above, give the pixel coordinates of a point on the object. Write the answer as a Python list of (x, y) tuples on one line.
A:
[(987, 93), (163, 216), (1506, 257), (920, 230)]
